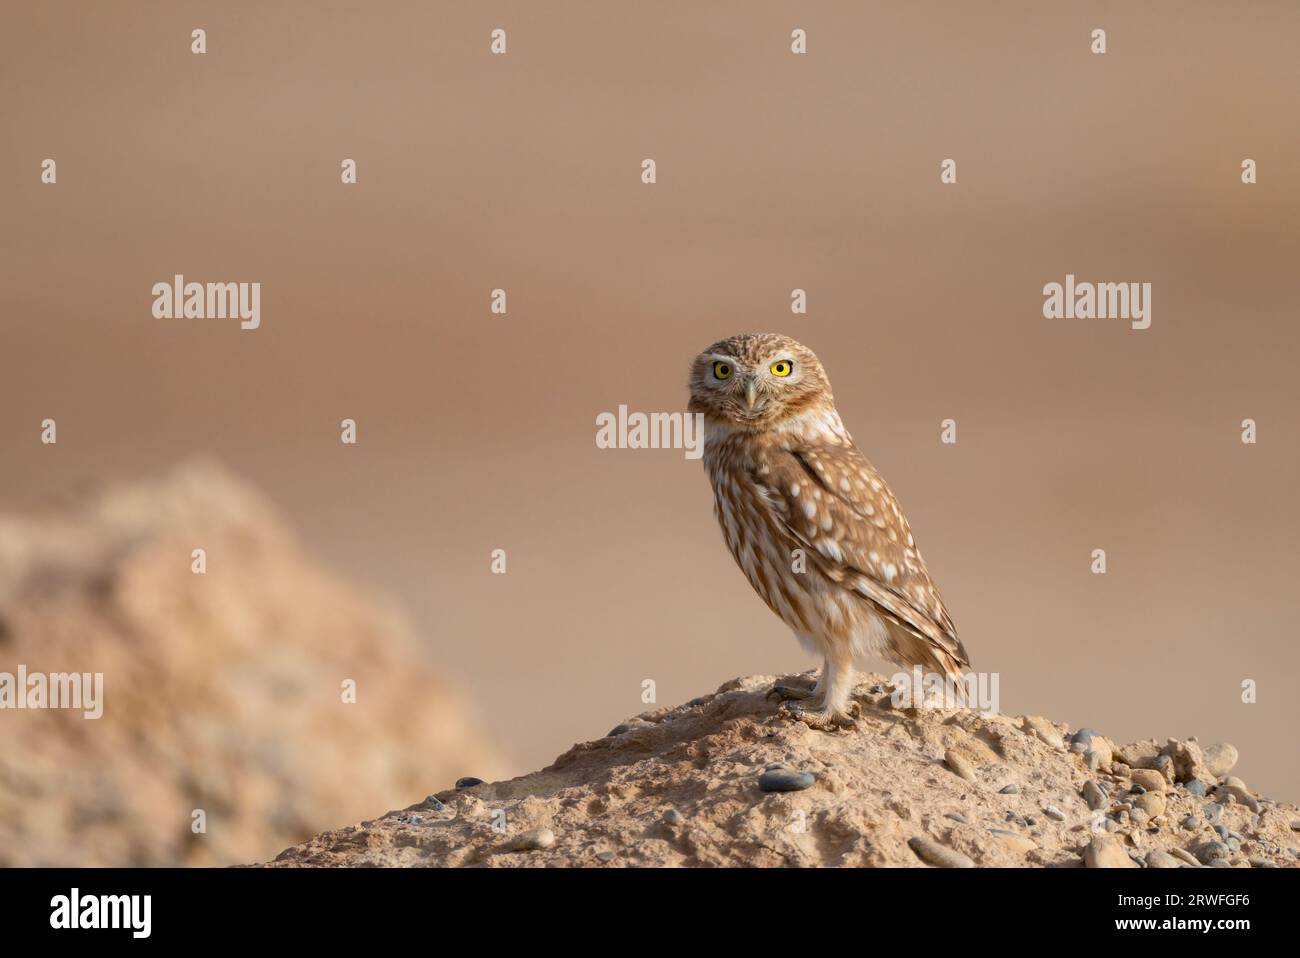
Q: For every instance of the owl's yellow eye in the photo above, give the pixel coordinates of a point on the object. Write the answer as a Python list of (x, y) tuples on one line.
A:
[(721, 370), (782, 367)]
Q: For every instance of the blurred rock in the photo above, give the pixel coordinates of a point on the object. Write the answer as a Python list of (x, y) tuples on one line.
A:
[(222, 691)]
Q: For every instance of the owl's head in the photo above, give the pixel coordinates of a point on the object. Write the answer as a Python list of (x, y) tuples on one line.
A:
[(755, 380)]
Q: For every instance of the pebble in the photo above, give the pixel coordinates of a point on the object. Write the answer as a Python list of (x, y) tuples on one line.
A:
[(1153, 803), (1093, 795), (1196, 788), (1081, 740), (1016, 843), (534, 840), (1223, 832), (1237, 789), (606, 856), (1159, 859), (1220, 759), (940, 856), (1011, 789), (1212, 851), (1054, 813), (1213, 812), (1184, 855), (1044, 731), (468, 782), (784, 780), (433, 803), (673, 817), (960, 767), (1190, 822), (957, 817), (1149, 779), (1106, 852)]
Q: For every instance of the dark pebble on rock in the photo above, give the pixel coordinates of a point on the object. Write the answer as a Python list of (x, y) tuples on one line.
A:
[(784, 780), (1009, 789), (1190, 822), (1213, 812), (468, 782), (1211, 851), (673, 817), (957, 817), (1196, 788), (605, 856), (433, 803)]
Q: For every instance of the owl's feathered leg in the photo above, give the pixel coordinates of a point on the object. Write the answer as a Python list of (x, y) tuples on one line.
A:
[(830, 710)]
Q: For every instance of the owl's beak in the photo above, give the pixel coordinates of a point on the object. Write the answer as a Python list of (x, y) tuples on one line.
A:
[(751, 393)]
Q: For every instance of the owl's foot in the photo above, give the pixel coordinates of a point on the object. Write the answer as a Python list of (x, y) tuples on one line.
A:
[(817, 716), (787, 692)]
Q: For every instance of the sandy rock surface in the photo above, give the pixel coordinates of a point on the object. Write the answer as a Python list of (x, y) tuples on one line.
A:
[(726, 780), (222, 691)]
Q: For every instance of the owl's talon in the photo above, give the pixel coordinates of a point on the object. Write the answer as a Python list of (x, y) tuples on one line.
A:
[(787, 692), (821, 718)]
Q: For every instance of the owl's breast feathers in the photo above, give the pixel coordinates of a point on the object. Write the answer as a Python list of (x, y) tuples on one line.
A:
[(815, 491)]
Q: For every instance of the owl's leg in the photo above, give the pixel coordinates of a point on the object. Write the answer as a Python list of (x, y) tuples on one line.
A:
[(830, 708)]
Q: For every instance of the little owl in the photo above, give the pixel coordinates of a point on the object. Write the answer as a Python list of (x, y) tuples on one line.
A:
[(810, 522)]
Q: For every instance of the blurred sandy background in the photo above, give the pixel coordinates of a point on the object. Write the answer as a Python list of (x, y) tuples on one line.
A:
[(775, 171)]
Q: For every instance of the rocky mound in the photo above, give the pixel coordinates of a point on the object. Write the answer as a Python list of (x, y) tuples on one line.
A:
[(222, 691), (727, 780)]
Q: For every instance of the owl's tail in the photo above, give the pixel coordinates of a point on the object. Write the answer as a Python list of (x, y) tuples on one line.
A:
[(949, 661)]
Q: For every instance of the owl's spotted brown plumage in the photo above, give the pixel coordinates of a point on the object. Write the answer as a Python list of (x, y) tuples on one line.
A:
[(810, 522)]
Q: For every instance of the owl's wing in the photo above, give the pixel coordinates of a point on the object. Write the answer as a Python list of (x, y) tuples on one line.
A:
[(834, 503)]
